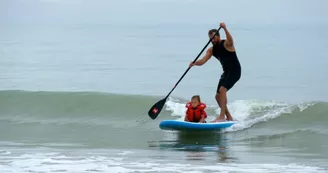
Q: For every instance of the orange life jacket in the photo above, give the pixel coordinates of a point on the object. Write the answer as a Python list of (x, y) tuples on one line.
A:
[(195, 114)]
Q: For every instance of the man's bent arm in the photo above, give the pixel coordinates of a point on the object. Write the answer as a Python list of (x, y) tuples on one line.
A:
[(229, 37), (205, 58)]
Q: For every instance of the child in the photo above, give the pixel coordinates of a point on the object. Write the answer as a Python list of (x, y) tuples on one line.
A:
[(195, 111)]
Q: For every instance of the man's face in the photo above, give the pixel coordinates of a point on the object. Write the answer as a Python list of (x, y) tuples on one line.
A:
[(216, 39)]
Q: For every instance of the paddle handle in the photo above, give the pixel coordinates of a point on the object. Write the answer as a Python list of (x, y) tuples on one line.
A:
[(209, 41)]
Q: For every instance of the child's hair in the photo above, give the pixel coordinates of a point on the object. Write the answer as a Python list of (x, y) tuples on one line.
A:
[(195, 97)]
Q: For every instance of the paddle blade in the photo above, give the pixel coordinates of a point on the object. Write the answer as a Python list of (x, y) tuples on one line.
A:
[(156, 109)]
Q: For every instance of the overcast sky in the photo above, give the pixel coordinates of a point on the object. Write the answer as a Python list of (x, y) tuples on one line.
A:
[(165, 11)]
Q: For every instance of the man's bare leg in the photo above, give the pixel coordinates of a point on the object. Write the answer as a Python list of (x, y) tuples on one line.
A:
[(222, 100), (229, 117), (227, 112)]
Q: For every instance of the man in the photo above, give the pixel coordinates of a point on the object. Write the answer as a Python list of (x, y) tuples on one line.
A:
[(224, 51)]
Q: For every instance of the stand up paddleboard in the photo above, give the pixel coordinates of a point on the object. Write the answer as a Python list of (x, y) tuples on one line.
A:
[(178, 125)]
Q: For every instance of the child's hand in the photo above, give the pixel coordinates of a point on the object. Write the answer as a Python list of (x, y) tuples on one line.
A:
[(186, 119)]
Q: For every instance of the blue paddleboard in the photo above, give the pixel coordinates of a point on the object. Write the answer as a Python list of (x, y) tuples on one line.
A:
[(179, 125)]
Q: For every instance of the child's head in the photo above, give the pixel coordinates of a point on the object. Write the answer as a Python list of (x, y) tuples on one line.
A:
[(195, 100)]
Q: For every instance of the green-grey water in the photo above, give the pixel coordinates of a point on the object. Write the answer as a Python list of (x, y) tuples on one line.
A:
[(77, 79)]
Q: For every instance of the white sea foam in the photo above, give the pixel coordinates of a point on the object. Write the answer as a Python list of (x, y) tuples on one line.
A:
[(42, 162), (245, 112)]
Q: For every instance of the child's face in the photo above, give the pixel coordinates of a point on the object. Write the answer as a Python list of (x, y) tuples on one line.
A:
[(194, 103)]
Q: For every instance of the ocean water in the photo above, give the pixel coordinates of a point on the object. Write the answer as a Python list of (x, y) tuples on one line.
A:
[(77, 79)]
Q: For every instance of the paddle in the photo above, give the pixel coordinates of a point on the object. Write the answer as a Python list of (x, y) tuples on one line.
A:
[(157, 107)]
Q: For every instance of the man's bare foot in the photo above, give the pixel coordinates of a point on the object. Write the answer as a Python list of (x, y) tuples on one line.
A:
[(219, 119)]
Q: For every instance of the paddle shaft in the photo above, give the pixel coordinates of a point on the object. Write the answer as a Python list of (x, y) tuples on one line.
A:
[(209, 41)]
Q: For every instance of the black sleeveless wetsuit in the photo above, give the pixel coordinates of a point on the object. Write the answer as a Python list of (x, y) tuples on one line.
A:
[(230, 64)]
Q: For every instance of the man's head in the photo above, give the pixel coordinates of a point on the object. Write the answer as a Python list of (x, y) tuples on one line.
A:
[(217, 38), (195, 100)]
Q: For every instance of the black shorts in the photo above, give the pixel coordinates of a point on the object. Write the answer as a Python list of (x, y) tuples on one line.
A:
[(228, 80)]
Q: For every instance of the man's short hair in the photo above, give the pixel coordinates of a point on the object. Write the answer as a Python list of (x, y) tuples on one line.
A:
[(210, 32)]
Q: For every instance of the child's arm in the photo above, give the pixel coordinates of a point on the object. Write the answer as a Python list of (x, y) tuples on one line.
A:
[(186, 118), (204, 115), (202, 120)]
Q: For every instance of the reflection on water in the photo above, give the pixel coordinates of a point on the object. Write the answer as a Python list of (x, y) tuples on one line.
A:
[(196, 145)]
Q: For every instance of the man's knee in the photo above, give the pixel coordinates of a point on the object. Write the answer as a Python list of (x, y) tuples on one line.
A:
[(222, 89)]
